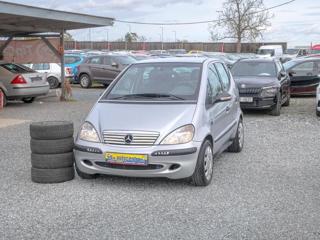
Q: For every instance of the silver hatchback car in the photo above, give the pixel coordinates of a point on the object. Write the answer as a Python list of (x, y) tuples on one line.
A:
[(162, 118)]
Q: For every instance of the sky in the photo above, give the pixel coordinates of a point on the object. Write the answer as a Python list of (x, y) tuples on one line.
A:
[(296, 23)]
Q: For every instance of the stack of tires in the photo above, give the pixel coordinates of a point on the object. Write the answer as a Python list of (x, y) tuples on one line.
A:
[(52, 155)]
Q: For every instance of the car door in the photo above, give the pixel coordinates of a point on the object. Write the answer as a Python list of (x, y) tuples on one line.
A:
[(284, 80), (304, 78), (216, 112), (111, 70), (96, 67), (232, 105)]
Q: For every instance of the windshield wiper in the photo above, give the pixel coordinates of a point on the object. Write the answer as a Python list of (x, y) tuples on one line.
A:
[(148, 95)]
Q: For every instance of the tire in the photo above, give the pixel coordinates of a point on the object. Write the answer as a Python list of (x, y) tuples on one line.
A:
[(52, 161), (53, 82), (51, 130), (85, 175), (202, 175), (318, 113), (85, 81), (52, 146), (287, 102), (276, 109), (29, 100), (238, 142), (52, 175)]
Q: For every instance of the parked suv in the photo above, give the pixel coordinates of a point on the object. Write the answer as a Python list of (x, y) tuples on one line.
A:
[(162, 118), (262, 83), (102, 69)]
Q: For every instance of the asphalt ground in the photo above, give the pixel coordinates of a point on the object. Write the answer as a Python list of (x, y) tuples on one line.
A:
[(269, 191)]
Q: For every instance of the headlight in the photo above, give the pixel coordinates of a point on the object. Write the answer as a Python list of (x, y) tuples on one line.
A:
[(88, 133), (269, 91), (179, 136)]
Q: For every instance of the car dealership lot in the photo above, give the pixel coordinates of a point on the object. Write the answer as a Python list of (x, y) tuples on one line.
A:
[(268, 191)]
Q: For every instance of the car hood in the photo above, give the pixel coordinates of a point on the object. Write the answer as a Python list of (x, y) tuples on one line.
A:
[(256, 82), (162, 118)]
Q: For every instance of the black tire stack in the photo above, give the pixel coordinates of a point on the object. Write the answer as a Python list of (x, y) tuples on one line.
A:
[(52, 152)]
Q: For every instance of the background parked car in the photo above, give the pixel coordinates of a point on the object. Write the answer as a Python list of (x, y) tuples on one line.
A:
[(304, 75), (72, 61), (102, 69), (262, 83), (22, 83), (273, 51), (52, 72)]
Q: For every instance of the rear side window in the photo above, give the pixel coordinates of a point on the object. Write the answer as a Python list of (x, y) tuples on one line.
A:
[(71, 59), (225, 80), (14, 68), (214, 86), (41, 66), (95, 60)]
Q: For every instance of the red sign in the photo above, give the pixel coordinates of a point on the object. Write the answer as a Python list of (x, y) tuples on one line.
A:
[(31, 51), (1, 99)]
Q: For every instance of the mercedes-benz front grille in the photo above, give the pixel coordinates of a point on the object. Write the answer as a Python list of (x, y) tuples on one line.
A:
[(130, 138)]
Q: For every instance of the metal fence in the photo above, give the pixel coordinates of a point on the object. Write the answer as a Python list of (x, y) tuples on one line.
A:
[(201, 46)]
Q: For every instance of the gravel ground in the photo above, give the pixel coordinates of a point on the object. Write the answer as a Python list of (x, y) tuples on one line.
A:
[(269, 191)]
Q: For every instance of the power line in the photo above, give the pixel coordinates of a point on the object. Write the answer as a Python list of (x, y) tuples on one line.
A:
[(199, 22)]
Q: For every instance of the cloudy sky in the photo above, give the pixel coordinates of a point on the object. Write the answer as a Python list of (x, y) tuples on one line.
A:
[(297, 23)]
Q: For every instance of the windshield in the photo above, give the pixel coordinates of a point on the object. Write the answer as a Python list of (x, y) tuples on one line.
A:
[(266, 52), (291, 51), (159, 82), (16, 68), (124, 60), (254, 69), (289, 64)]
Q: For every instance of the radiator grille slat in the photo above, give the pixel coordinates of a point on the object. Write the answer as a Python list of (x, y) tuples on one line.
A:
[(138, 139), (249, 90)]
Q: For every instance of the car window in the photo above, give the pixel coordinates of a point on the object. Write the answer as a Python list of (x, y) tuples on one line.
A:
[(46, 66), (224, 76), (307, 66), (107, 60), (179, 80), (96, 60), (214, 86), (123, 60), (71, 59), (254, 68)]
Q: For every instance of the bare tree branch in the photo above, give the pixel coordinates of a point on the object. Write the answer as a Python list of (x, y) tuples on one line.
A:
[(240, 20)]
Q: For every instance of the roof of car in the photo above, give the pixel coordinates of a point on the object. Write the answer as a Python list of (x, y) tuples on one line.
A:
[(176, 60), (256, 60), (306, 59)]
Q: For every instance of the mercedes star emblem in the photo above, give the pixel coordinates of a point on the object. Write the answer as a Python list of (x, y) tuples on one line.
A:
[(128, 139)]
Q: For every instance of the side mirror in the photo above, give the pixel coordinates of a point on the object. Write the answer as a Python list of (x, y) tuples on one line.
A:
[(281, 75), (291, 73), (115, 65), (223, 97)]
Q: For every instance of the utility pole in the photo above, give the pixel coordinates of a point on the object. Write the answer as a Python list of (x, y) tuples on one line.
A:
[(175, 36), (161, 37), (108, 45), (90, 38)]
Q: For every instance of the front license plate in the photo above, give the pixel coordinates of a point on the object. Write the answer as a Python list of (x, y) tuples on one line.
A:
[(246, 99), (127, 159)]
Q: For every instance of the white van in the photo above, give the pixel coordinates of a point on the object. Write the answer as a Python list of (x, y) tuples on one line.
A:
[(273, 51)]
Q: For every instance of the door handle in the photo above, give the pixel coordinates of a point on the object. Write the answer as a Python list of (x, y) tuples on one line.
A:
[(228, 109)]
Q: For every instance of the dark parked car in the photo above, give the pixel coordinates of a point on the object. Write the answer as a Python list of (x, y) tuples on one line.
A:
[(262, 84), (304, 75), (102, 69)]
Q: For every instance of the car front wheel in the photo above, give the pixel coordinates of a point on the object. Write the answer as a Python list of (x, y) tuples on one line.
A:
[(238, 141), (318, 113), (203, 173), (275, 110)]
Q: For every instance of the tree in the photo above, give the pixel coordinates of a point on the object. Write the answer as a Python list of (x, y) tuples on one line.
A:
[(131, 37), (241, 19), (68, 37)]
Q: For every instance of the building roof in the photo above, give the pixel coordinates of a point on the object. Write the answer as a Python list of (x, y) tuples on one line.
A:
[(18, 19)]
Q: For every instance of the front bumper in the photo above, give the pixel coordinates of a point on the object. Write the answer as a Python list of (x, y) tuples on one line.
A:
[(258, 103), (22, 92), (179, 164)]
